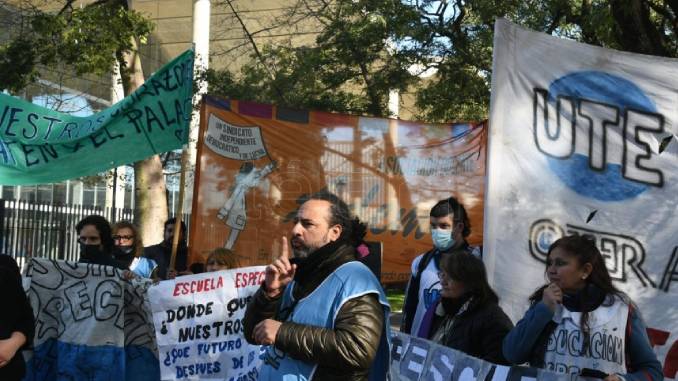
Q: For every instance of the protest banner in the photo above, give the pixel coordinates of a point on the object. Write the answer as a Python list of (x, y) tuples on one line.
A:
[(257, 163), (90, 324), (583, 141), (199, 330), (39, 145), (416, 359)]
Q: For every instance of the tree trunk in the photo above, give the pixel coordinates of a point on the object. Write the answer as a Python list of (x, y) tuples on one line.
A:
[(149, 181)]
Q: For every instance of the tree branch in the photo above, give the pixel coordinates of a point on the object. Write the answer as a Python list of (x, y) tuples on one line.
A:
[(256, 51)]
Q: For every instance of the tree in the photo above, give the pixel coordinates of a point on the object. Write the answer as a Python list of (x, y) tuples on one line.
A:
[(88, 40), (365, 48)]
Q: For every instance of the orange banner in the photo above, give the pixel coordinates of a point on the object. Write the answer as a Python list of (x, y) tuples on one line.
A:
[(257, 162)]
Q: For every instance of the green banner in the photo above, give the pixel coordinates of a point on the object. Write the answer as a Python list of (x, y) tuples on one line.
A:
[(38, 145)]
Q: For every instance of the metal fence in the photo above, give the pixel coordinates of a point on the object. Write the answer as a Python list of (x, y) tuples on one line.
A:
[(48, 230)]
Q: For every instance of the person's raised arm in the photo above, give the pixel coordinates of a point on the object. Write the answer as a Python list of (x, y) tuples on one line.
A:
[(264, 304)]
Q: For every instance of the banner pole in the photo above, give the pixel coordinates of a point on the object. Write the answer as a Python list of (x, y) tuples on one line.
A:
[(180, 210)]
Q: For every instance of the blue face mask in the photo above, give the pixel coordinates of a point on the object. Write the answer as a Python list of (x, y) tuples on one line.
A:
[(442, 238)]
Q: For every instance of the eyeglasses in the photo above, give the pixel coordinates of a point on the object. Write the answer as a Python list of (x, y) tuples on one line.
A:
[(125, 237)]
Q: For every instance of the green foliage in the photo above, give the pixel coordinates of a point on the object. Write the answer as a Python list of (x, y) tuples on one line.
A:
[(84, 38), (366, 47)]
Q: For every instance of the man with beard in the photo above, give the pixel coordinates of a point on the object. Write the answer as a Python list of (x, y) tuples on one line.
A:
[(322, 315)]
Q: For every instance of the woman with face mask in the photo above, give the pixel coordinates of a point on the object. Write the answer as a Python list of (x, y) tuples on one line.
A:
[(580, 324), (129, 250), (467, 317), (96, 241)]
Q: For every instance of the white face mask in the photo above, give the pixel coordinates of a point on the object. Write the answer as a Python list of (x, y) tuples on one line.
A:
[(442, 238)]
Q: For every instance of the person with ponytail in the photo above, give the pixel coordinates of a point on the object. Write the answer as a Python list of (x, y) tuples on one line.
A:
[(580, 323)]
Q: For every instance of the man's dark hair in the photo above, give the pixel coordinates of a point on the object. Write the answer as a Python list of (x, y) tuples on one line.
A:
[(173, 221), (102, 226), (351, 228), (451, 206)]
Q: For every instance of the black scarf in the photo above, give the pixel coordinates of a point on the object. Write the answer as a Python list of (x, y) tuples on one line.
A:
[(312, 270), (452, 306), (585, 300)]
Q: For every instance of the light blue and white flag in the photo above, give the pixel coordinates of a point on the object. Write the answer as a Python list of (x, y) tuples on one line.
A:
[(91, 324)]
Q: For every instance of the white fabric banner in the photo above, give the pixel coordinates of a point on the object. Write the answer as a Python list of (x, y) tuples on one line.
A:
[(90, 323), (575, 146), (198, 323), (416, 359)]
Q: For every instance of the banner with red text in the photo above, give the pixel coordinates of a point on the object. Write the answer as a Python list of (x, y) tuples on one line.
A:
[(257, 163), (198, 325)]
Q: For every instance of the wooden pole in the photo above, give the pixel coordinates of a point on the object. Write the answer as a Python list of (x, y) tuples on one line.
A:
[(180, 209)]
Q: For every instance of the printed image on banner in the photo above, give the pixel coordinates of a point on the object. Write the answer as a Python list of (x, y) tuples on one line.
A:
[(583, 141), (39, 145), (199, 328), (258, 163), (91, 324)]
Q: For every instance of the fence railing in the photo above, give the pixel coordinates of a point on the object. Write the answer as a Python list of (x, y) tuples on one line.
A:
[(48, 230)]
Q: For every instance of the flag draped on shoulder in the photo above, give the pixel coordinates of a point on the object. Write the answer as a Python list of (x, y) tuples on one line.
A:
[(39, 145)]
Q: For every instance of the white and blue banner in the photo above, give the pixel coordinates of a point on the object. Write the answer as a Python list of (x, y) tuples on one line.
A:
[(416, 359), (90, 324), (199, 325), (582, 140)]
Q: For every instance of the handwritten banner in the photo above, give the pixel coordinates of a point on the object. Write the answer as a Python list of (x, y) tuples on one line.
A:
[(416, 359), (199, 326), (90, 324), (39, 145)]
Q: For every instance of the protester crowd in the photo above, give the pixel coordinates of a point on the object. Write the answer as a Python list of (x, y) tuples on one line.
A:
[(321, 314)]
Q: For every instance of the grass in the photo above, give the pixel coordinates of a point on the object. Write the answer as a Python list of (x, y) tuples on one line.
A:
[(396, 297)]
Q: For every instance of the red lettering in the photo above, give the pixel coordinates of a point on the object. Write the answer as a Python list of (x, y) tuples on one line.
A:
[(176, 289), (249, 279)]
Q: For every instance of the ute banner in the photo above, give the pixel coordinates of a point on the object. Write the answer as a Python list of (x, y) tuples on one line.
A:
[(257, 163), (39, 145), (583, 141)]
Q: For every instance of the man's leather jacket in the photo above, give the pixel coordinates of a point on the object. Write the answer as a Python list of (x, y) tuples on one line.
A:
[(343, 353)]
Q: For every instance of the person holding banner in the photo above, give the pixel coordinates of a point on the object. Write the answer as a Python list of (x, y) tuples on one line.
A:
[(449, 228), (162, 252), (96, 242), (580, 323), (129, 250), (221, 259), (17, 325), (322, 314), (467, 317)]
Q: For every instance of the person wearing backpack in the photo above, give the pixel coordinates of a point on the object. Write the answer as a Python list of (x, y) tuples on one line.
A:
[(449, 228)]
